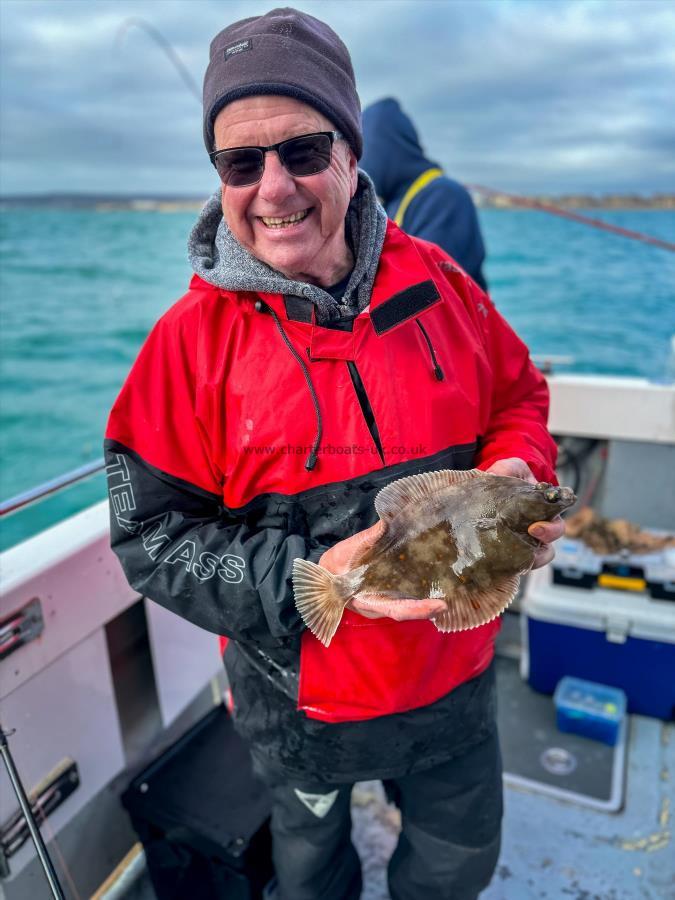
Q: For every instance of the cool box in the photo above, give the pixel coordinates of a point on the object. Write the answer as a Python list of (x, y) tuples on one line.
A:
[(624, 639)]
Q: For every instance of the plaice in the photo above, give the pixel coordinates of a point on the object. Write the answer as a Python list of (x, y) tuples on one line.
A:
[(458, 536)]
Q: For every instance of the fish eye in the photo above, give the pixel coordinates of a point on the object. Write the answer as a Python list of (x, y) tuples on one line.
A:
[(552, 495)]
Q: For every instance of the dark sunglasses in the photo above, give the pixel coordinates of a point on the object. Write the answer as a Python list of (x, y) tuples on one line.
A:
[(305, 155)]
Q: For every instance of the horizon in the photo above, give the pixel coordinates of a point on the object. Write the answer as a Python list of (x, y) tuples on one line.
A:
[(562, 97), (131, 196)]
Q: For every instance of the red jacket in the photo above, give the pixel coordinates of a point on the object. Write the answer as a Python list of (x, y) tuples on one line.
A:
[(208, 440)]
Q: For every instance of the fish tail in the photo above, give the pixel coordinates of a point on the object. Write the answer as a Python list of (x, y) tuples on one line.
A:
[(318, 599)]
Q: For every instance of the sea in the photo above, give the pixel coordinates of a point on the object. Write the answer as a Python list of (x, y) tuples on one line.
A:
[(79, 291)]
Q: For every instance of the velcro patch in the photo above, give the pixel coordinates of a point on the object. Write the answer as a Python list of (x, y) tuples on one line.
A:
[(404, 305)]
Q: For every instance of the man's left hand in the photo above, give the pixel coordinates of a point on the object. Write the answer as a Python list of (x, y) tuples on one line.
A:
[(545, 532)]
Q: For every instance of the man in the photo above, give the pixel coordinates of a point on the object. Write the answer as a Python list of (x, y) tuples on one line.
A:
[(319, 354), (415, 192)]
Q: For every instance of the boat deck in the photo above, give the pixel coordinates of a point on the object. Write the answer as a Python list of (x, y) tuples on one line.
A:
[(553, 848)]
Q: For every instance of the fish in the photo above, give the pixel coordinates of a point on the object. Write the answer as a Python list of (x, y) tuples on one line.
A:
[(607, 537), (457, 536)]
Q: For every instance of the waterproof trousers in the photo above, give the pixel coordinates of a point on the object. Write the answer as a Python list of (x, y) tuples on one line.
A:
[(448, 846)]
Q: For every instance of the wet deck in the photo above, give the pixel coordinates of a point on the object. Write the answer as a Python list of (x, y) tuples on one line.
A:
[(553, 849)]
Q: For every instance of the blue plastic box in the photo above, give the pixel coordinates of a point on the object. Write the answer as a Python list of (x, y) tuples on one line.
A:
[(590, 709)]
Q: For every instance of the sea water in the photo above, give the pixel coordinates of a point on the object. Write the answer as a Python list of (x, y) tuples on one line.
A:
[(79, 291)]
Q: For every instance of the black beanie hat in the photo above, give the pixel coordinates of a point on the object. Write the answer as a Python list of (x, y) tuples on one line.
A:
[(283, 52)]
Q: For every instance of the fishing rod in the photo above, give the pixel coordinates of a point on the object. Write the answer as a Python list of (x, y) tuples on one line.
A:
[(165, 45), (47, 865)]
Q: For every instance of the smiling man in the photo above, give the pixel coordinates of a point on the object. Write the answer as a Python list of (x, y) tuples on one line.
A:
[(320, 354), (294, 224)]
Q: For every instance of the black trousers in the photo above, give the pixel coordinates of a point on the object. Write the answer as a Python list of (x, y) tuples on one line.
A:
[(448, 846)]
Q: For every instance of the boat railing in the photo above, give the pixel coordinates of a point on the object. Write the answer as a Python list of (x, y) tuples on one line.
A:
[(652, 419), (53, 486)]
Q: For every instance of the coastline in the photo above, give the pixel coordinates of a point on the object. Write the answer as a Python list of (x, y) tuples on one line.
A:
[(482, 199)]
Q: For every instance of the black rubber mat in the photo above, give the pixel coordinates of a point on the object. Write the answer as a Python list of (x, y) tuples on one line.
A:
[(542, 758)]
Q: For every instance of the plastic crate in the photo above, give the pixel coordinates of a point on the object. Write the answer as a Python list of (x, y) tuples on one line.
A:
[(590, 709)]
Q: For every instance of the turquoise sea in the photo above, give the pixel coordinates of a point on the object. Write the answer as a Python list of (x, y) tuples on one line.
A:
[(80, 290)]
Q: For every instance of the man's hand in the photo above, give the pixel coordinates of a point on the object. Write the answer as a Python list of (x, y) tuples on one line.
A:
[(545, 532), (347, 554)]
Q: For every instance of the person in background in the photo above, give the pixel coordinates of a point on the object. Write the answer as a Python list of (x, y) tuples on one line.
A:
[(320, 354), (414, 191)]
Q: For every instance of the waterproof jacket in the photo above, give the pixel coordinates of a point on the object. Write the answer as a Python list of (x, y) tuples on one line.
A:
[(441, 211), (212, 499)]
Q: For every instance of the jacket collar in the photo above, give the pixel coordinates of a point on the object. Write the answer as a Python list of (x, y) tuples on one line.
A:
[(403, 287), (220, 260)]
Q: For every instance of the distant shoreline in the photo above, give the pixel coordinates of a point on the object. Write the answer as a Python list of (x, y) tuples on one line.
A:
[(102, 203)]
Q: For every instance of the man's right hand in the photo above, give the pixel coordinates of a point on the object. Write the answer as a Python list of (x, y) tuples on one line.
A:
[(346, 555)]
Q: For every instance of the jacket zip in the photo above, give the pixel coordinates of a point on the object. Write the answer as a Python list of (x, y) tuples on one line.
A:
[(438, 372), (366, 408)]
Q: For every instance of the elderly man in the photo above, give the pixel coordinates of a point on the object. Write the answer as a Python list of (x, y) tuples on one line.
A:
[(319, 354)]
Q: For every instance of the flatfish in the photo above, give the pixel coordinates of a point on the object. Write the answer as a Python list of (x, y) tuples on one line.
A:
[(457, 536)]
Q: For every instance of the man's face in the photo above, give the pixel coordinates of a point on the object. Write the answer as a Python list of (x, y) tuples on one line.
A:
[(313, 249)]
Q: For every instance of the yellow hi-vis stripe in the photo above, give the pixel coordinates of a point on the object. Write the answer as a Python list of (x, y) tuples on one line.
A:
[(622, 583), (420, 182)]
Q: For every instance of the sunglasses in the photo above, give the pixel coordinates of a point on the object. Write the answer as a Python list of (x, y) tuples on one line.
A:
[(305, 155)]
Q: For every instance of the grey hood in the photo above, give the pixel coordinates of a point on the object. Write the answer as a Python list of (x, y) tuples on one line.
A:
[(217, 257)]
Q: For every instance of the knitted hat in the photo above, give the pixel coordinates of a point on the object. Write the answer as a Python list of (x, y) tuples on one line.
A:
[(283, 52)]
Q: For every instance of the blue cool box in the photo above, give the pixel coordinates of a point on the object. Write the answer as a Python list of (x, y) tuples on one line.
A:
[(590, 709), (624, 639)]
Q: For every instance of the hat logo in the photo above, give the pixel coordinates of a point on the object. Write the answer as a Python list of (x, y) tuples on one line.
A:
[(239, 47)]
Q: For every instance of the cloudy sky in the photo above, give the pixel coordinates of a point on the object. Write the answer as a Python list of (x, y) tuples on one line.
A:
[(520, 95)]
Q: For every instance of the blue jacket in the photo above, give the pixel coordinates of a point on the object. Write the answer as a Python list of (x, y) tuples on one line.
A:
[(443, 211)]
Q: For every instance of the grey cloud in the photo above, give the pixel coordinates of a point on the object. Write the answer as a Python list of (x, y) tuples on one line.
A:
[(522, 96)]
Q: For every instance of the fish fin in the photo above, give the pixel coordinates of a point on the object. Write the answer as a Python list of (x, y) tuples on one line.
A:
[(416, 489), (317, 599), (471, 607)]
